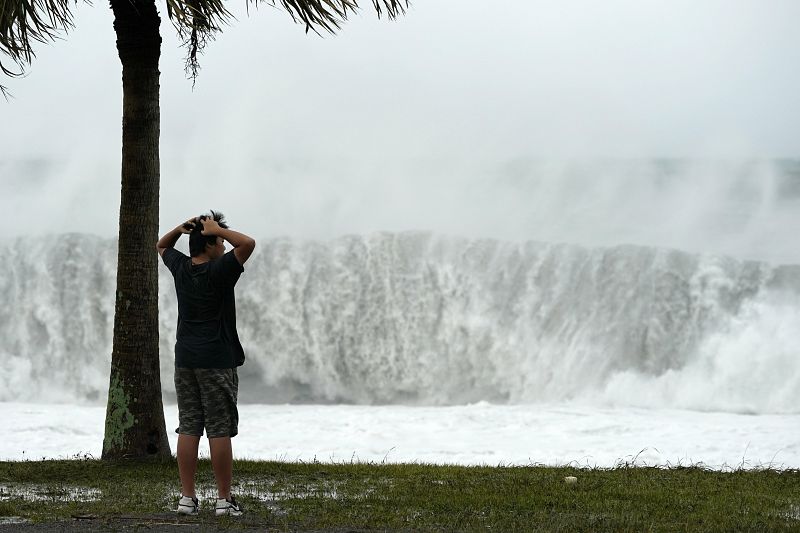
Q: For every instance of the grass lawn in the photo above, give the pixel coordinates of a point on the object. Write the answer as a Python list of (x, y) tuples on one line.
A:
[(417, 497)]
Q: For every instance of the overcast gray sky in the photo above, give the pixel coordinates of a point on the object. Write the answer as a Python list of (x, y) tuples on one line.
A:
[(379, 126)]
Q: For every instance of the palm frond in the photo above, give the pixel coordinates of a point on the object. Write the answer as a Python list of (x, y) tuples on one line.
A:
[(25, 22), (197, 21)]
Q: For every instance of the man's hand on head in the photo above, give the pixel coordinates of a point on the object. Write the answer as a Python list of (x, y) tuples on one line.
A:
[(188, 226), (171, 237), (210, 227)]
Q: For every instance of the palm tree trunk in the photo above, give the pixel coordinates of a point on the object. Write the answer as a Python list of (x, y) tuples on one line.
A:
[(135, 414)]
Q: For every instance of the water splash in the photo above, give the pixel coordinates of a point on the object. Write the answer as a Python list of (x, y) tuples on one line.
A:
[(419, 318)]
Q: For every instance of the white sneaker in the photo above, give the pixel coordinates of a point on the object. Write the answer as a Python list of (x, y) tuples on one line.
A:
[(229, 507), (188, 505)]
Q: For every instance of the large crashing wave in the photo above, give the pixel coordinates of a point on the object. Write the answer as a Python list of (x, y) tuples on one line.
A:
[(418, 318)]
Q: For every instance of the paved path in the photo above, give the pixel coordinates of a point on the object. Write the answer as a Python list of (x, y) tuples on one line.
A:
[(161, 523)]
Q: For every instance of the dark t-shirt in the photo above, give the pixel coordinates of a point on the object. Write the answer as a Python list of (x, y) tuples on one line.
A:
[(206, 336)]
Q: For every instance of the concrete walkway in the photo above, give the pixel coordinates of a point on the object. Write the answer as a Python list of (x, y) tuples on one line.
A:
[(161, 523)]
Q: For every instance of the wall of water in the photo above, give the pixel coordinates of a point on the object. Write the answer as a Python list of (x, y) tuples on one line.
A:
[(421, 318)]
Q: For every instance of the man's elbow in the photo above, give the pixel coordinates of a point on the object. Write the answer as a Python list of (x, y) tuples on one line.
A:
[(244, 250)]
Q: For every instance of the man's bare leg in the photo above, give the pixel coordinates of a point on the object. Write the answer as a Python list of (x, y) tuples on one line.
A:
[(187, 462), (222, 464)]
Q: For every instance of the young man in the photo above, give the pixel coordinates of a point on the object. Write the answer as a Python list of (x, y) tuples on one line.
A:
[(207, 350)]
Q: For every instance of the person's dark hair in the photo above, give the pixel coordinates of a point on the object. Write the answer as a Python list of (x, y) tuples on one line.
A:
[(198, 241)]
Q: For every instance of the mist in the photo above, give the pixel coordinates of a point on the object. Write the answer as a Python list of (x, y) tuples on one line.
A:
[(598, 124)]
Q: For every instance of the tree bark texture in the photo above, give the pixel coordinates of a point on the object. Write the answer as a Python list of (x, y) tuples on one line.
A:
[(135, 414)]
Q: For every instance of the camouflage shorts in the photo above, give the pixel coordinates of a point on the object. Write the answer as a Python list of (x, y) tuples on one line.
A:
[(207, 398)]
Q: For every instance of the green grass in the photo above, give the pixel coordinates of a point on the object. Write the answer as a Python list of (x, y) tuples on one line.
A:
[(420, 497)]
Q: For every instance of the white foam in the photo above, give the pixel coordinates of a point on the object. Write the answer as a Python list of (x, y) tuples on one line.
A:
[(752, 365), (481, 433), (422, 319)]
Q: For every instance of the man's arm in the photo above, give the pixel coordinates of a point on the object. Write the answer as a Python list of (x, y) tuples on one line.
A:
[(243, 245), (169, 239)]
